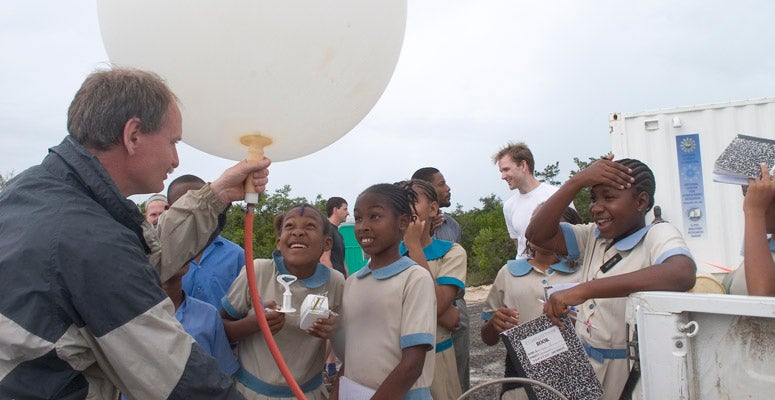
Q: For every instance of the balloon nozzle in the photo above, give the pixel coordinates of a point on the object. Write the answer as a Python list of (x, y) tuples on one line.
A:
[(255, 144), (251, 199)]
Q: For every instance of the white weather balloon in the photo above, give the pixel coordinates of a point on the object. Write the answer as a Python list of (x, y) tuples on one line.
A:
[(301, 73)]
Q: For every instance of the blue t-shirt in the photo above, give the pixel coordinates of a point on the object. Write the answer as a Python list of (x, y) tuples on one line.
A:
[(210, 279), (203, 322)]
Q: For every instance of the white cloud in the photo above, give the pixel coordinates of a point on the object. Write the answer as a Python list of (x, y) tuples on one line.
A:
[(472, 75)]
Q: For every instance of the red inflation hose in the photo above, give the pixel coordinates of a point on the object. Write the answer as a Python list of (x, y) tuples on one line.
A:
[(260, 316)]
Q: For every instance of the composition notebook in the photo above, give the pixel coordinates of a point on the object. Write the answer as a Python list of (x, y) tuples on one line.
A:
[(741, 159), (543, 352)]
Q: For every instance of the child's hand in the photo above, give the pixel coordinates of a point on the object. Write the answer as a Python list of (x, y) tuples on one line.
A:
[(559, 304), (324, 327), (605, 172), (450, 319), (505, 318), (413, 232), (276, 320), (761, 193)]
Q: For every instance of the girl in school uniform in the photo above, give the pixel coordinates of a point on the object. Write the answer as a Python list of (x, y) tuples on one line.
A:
[(517, 293), (389, 313), (620, 255), (446, 261), (303, 237)]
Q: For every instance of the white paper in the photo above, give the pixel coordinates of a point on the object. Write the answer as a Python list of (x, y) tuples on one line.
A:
[(351, 390), (544, 345)]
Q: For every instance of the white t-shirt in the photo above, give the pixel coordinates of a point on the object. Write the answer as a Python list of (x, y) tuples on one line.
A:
[(519, 208)]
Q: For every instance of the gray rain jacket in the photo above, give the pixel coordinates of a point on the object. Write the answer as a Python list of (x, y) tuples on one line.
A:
[(82, 312)]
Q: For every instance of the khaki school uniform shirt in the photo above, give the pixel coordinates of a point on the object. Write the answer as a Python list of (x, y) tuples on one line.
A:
[(385, 311), (303, 353), (650, 245)]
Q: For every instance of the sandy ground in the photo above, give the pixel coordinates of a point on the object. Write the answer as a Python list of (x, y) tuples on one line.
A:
[(477, 294), (486, 361)]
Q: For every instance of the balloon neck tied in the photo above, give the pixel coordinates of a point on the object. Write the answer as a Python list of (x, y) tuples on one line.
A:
[(255, 144)]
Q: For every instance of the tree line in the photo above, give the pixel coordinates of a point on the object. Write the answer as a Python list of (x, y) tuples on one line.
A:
[(484, 234)]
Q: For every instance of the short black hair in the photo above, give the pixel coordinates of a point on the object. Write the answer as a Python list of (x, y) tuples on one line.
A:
[(183, 179), (425, 173), (332, 203)]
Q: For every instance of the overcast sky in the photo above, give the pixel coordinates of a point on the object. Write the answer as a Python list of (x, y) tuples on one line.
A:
[(472, 76)]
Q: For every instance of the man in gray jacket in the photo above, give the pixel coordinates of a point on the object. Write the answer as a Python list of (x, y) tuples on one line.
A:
[(82, 311)]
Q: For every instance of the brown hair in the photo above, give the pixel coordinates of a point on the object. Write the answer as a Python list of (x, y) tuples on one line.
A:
[(108, 99), (518, 152)]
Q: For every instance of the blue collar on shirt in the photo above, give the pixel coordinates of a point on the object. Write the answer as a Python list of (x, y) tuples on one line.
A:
[(217, 242), (435, 250), (629, 242), (388, 271), (521, 267), (318, 279)]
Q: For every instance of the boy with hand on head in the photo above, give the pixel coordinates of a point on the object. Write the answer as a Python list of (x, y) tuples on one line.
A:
[(620, 255), (759, 210)]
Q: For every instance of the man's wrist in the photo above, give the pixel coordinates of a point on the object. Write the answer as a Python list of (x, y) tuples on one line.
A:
[(218, 201)]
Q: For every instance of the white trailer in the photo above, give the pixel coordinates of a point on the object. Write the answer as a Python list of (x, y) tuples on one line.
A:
[(680, 145), (704, 346), (699, 346)]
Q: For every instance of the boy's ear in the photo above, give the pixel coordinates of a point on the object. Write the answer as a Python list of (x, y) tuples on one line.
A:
[(327, 243), (642, 201)]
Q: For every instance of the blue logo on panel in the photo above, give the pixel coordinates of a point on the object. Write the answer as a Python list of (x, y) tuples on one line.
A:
[(690, 179)]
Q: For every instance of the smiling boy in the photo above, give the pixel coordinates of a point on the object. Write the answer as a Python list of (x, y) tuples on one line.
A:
[(620, 255), (303, 237)]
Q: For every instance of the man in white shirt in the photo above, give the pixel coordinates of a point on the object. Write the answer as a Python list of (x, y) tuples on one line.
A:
[(516, 164)]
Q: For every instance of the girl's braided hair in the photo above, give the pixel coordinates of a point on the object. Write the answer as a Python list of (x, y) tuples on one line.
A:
[(422, 186), (401, 199), (278, 220), (644, 178)]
